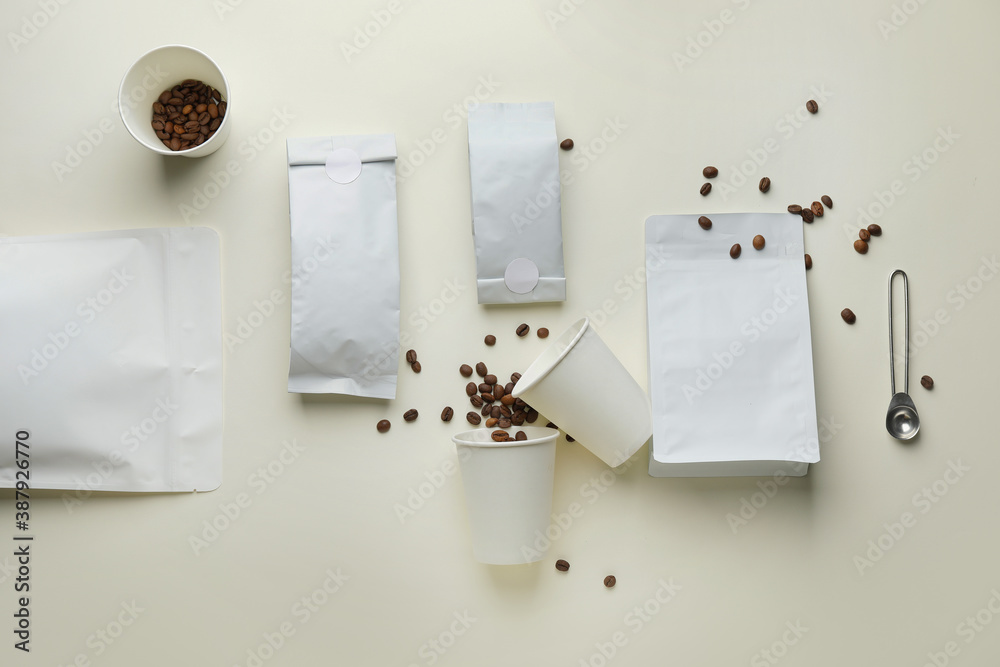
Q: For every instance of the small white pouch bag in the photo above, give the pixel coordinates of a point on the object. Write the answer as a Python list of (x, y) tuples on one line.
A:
[(516, 206), (730, 354), (345, 265), (111, 361)]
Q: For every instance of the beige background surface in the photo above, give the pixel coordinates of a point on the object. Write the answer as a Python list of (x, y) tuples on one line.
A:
[(885, 96)]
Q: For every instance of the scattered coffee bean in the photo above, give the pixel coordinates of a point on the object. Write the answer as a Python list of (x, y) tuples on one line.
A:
[(794, 208), (861, 246), (705, 222), (709, 172), (490, 379), (570, 438), (522, 330), (410, 415), (481, 369), (927, 382), (543, 333), (758, 242), (447, 414), (499, 436), (874, 230), (826, 201), (411, 356), (485, 388), (465, 370), (811, 106), (473, 418), (498, 392), (530, 417), (507, 400), (817, 209), (383, 426), (848, 316), (476, 400), (504, 422), (561, 565), (521, 435), (514, 377), (508, 388), (505, 410), (491, 422), (864, 235), (551, 425), (496, 411), (705, 189), (610, 581), (807, 215), (181, 115), (470, 389), (734, 252), (518, 418), (416, 366), (809, 262), (488, 397), (486, 410), (490, 340), (765, 184), (566, 144)]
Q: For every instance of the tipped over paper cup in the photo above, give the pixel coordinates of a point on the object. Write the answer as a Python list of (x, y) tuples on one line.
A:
[(579, 384), (508, 492)]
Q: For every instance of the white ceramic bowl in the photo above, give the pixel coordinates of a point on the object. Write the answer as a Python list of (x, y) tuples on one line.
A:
[(159, 70)]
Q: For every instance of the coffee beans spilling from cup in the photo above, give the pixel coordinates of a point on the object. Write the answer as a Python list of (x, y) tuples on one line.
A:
[(188, 114)]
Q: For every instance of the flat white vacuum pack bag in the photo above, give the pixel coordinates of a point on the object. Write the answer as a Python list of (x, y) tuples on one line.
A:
[(516, 203), (730, 353), (112, 360), (345, 265)]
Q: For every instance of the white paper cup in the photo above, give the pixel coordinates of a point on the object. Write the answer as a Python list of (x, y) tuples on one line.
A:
[(508, 492), (579, 384), (159, 70)]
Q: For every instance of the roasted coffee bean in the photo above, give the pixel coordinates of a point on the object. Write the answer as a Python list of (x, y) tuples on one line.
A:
[(709, 172), (488, 397), (517, 418), (213, 110), (481, 369), (551, 425), (176, 101), (214, 125), (465, 370), (473, 418), (794, 208), (200, 140), (826, 201), (504, 422), (543, 333), (758, 242), (491, 422), (562, 565), (188, 108), (521, 435), (490, 379), (505, 411), (495, 411), (566, 144), (476, 400), (508, 388), (531, 417), (705, 222), (163, 136), (498, 392), (734, 252), (861, 246), (522, 330), (807, 215), (222, 105), (817, 209), (164, 97), (414, 364), (168, 127), (201, 108), (848, 316), (410, 415), (927, 382), (874, 230), (486, 410), (705, 189), (864, 235), (765, 184), (610, 581), (189, 136), (470, 389), (809, 262), (499, 436), (485, 388), (811, 106), (570, 438), (447, 414), (490, 340), (514, 377), (175, 144), (383, 426), (157, 125), (507, 399)]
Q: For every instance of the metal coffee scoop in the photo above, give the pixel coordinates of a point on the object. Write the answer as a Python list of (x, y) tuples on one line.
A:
[(901, 420)]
